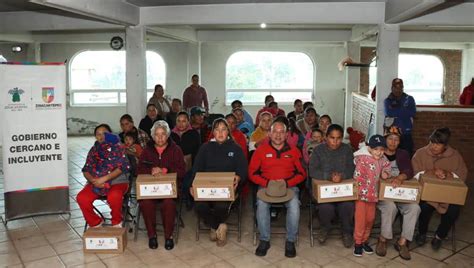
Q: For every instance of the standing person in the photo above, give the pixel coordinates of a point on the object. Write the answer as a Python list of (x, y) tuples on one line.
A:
[(106, 170), (298, 109), (195, 95), (400, 109), (160, 157), (150, 118), (127, 126), (334, 161), (197, 123), (261, 132), (309, 121), (467, 96), (247, 117), (243, 125), (162, 105), (221, 155), (440, 160), (401, 170), (276, 167), (175, 109), (370, 166)]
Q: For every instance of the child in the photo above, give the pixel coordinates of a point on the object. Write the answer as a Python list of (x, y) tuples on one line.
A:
[(309, 144), (371, 164), (133, 150)]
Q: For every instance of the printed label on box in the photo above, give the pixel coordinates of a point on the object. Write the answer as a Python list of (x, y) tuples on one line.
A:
[(101, 243), (163, 189), (213, 193), (336, 190), (401, 193)]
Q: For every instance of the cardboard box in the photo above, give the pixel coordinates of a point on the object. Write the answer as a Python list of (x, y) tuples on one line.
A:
[(214, 186), (450, 191), (325, 191), (105, 240), (156, 187), (408, 192)]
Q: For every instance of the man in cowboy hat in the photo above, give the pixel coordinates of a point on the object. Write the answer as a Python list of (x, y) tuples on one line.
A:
[(276, 168)]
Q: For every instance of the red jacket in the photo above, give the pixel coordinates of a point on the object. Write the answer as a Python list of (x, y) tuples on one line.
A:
[(270, 164), (467, 96)]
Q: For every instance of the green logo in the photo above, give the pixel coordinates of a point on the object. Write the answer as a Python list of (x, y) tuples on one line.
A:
[(16, 92)]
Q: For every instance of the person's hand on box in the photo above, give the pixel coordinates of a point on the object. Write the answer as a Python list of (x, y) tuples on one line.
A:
[(236, 181), (336, 177), (157, 171), (440, 174), (396, 182)]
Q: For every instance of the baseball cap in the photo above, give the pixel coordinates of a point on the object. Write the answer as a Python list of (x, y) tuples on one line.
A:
[(196, 110), (397, 81), (377, 141)]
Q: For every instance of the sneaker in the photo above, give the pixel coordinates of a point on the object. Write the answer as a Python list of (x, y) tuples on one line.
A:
[(262, 248), (290, 250), (403, 251), (358, 250), (436, 243), (322, 236), (381, 248), (420, 239), (212, 235), (347, 240), (367, 249), (221, 233)]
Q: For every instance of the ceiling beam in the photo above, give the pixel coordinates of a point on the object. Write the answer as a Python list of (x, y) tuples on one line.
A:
[(179, 34), (17, 38), (274, 35), (459, 15), (112, 11), (362, 32), (403, 10), (256, 13), (12, 22)]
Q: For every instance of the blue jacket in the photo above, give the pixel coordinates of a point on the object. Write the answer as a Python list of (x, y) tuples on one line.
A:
[(402, 110), (246, 128), (248, 118)]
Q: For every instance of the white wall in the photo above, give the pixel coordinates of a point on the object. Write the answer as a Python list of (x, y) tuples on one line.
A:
[(174, 55), (181, 61), (329, 82)]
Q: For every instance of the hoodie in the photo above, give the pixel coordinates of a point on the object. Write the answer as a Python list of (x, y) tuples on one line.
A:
[(367, 173)]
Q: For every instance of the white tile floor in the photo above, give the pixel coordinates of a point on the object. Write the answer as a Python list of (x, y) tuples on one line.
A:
[(55, 241)]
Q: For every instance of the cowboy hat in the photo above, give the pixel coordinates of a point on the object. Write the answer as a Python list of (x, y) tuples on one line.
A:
[(275, 192)]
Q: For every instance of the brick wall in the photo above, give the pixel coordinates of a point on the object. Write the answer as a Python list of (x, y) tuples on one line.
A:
[(458, 120), (451, 59)]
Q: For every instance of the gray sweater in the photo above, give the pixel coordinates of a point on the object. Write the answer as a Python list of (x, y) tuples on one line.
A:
[(324, 162)]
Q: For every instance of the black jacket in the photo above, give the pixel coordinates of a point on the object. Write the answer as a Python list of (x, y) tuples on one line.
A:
[(190, 141), (146, 124)]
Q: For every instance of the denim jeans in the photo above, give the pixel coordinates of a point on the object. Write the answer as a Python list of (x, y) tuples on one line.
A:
[(292, 217)]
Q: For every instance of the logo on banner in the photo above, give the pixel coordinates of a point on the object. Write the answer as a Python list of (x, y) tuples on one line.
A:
[(16, 105), (16, 93), (48, 94)]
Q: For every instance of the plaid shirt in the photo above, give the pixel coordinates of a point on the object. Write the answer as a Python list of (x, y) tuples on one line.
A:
[(143, 138)]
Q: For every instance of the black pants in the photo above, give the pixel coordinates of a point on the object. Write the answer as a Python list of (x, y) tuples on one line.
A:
[(345, 211), (447, 219), (213, 213)]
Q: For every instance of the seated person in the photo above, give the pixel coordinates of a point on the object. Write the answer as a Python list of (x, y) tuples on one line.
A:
[(440, 160), (175, 109), (160, 157), (261, 132), (198, 123), (247, 117), (309, 121), (127, 126), (334, 161), (243, 125), (270, 106), (106, 170), (219, 155), (150, 118), (276, 165), (298, 105)]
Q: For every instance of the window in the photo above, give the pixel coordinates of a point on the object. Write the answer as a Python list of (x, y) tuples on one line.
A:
[(98, 77), (422, 77), (250, 75)]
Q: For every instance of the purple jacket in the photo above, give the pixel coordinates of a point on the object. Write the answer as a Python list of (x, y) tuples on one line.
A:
[(404, 163)]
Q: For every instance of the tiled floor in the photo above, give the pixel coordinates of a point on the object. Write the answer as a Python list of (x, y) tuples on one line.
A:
[(55, 241)]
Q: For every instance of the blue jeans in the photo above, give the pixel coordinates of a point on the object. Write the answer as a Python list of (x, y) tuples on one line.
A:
[(292, 217)]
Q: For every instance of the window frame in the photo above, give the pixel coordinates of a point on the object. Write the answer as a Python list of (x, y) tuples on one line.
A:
[(118, 91), (227, 101)]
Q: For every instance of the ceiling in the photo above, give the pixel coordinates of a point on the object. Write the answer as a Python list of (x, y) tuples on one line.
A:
[(149, 3), (20, 5)]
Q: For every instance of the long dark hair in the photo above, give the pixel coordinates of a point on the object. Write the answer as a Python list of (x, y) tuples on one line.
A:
[(219, 121)]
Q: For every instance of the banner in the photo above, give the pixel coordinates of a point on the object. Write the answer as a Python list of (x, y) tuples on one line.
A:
[(33, 112)]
